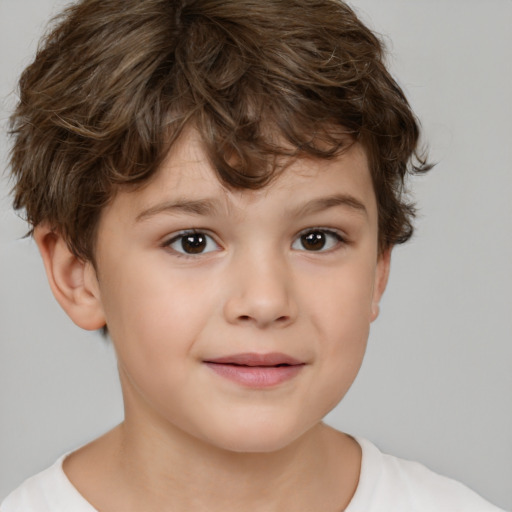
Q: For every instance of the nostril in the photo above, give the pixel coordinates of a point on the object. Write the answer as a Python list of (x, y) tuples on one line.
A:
[(281, 319)]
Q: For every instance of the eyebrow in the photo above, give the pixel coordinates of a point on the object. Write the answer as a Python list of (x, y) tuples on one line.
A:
[(202, 207), (194, 207), (324, 203)]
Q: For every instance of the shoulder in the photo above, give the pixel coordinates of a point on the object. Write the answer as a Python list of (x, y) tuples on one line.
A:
[(388, 483), (48, 491)]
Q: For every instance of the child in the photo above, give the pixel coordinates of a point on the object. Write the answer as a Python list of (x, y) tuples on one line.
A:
[(219, 184)]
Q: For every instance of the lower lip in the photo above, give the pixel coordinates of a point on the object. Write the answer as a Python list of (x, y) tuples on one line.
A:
[(256, 376)]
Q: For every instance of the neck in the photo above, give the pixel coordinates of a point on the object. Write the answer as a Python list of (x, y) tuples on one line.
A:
[(154, 467), (315, 472)]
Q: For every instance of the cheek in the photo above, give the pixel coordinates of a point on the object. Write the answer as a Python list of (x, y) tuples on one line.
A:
[(342, 303), (342, 317), (155, 321), (156, 312)]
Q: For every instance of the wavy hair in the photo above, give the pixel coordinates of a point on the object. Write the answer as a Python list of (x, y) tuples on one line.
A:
[(115, 82)]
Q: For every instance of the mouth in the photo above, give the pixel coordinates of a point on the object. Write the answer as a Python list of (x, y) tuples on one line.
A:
[(256, 370)]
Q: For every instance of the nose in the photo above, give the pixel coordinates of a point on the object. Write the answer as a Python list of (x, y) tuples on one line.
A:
[(261, 293)]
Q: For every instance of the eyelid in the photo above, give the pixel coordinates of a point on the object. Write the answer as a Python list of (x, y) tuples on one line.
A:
[(336, 233), (177, 236)]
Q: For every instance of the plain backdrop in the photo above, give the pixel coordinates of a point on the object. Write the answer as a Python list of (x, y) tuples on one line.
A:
[(436, 385)]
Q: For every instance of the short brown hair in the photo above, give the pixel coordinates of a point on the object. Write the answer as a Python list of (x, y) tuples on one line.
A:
[(116, 81)]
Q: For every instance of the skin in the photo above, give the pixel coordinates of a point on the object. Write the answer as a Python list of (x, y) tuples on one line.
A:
[(192, 439)]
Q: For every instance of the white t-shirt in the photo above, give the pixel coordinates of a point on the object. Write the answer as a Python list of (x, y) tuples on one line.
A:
[(386, 484)]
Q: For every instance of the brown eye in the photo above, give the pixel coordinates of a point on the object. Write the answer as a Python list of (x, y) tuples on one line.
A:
[(319, 240), (192, 243), (313, 241)]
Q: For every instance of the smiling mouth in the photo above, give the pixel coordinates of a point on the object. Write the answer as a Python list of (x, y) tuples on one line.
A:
[(256, 370)]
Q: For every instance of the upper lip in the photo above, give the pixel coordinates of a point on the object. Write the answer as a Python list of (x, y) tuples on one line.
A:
[(254, 359)]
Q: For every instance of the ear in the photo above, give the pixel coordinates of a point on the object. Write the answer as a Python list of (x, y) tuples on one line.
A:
[(381, 280), (73, 281)]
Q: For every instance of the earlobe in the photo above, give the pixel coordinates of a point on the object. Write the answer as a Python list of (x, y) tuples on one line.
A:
[(381, 281), (73, 281)]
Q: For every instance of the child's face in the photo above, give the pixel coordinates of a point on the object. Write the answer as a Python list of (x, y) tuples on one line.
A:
[(196, 281)]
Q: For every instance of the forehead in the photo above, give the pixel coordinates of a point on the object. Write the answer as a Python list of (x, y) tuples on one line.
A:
[(187, 178)]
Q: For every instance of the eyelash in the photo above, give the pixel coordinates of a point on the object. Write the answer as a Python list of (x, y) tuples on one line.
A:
[(182, 235), (324, 232), (334, 234)]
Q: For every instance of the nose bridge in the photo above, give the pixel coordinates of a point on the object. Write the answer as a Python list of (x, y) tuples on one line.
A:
[(262, 289)]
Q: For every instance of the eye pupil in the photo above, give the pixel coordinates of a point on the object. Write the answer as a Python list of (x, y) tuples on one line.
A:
[(313, 241), (193, 243)]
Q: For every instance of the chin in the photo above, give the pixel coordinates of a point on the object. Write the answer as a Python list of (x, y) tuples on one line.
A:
[(257, 438), (256, 445)]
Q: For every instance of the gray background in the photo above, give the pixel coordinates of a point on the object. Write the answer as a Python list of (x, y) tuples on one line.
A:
[(436, 385)]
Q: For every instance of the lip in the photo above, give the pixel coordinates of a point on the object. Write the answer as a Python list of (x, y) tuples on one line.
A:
[(256, 370)]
